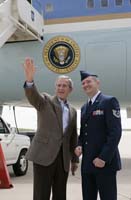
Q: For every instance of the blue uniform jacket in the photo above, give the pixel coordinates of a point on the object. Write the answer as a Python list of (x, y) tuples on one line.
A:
[(100, 134)]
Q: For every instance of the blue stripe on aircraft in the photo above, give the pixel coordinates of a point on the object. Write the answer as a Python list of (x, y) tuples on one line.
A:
[(78, 8)]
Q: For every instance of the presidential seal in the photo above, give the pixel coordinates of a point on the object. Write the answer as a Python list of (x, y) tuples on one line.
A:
[(61, 54)]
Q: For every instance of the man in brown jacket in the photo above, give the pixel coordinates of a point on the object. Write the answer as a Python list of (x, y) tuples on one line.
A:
[(53, 145)]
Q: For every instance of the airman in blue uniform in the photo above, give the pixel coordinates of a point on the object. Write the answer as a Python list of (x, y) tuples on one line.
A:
[(100, 134)]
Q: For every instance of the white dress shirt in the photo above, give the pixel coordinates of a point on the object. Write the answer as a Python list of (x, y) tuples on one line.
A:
[(94, 97)]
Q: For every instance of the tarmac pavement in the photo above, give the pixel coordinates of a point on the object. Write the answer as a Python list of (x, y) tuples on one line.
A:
[(23, 187)]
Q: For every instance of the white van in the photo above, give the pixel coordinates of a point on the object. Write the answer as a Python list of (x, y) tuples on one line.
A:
[(14, 147)]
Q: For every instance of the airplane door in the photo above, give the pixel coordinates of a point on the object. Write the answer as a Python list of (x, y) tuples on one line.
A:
[(108, 60)]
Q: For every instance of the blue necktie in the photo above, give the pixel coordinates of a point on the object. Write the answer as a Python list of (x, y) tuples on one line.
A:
[(65, 115)]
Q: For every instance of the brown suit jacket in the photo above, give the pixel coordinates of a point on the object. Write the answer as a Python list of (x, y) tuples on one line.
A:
[(49, 136)]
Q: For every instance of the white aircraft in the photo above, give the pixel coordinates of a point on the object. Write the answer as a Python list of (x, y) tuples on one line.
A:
[(65, 37)]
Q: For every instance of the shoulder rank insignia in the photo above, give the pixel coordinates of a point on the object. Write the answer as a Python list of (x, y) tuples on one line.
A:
[(116, 113)]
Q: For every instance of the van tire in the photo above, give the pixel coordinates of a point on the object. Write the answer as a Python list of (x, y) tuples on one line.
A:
[(20, 168)]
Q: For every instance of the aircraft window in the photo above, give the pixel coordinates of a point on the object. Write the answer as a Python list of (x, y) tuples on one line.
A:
[(119, 2), (90, 3), (49, 7), (104, 3)]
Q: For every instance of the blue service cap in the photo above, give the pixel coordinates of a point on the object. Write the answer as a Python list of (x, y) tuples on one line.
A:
[(85, 74)]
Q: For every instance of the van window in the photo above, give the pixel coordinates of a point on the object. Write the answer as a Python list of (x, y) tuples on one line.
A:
[(29, 1), (3, 128)]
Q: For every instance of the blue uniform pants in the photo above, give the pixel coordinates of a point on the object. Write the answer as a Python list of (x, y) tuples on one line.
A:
[(105, 184)]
